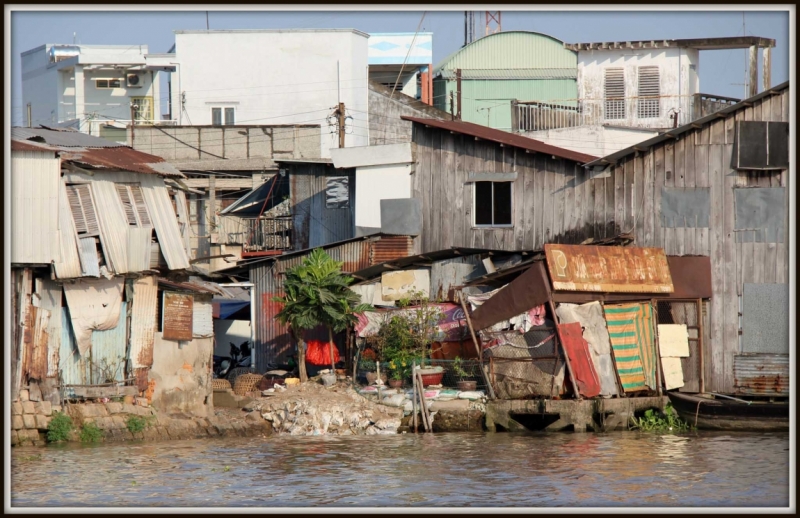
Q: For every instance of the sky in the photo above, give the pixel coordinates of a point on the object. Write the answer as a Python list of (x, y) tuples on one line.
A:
[(722, 72)]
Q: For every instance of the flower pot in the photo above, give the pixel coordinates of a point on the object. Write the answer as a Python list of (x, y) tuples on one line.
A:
[(373, 377), (396, 383), (432, 378), (467, 385)]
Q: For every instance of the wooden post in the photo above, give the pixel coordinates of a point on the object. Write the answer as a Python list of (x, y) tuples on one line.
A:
[(477, 345), (452, 109), (341, 124), (421, 394), (566, 357), (414, 398), (515, 116), (701, 344), (753, 70), (767, 70), (654, 323), (212, 205), (30, 121), (330, 349)]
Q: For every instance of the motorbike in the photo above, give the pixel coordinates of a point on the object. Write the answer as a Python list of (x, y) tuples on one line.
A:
[(230, 367)]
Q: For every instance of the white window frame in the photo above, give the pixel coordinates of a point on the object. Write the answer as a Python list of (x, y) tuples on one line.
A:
[(474, 205), (614, 99), (222, 115), (107, 86), (648, 106)]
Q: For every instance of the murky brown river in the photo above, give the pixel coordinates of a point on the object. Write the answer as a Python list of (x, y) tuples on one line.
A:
[(504, 469)]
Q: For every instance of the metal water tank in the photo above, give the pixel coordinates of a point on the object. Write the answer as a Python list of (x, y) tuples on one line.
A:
[(61, 52)]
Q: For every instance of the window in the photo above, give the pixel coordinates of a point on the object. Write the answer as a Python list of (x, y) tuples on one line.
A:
[(492, 204), (130, 194), (648, 106), (614, 93), (142, 108), (217, 113), (761, 145), (82, 208), (337, 192), (108, 83)]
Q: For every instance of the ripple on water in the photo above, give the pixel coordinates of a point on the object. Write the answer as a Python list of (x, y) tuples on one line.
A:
[(469, 469)]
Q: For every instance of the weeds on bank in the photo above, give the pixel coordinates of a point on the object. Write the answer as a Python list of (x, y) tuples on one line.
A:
[(137, 423), (654, 421), (60, 428), (91, 433)]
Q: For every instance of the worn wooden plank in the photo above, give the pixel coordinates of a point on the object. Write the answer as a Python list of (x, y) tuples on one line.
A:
[(717, 132), (528, 174), (673, 165), (539, 203), (647, 205), (595, 214), (730, 129), (782, 249), (446, 195), (438, 138), (714, 169), (570, 181), (659, 176), (619, 194), (547, 207), (636, 186), (714, 363), (422, 183), (459, 192), (610, 192), (730, 309), (519, 199)]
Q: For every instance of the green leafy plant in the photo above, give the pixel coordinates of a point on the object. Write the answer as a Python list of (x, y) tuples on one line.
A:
[(91, 433), (458, 368), (317, 293), (654, 421), (226, 469), (59, 428), (137, 423)]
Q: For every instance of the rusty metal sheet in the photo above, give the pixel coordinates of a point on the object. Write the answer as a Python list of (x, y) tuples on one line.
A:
[(691, 276), (35, 342), (527, 291), (389, 248), (761, 374), (577, 350), (608, 269), (177, 316), (143, 321)]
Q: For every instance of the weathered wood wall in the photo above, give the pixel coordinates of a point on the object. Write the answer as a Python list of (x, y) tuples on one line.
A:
[(554, 201)]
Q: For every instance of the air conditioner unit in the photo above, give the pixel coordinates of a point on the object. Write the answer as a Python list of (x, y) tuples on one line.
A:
[(134, 81)]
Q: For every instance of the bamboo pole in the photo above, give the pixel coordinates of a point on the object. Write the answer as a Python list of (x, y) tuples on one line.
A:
[(654, 326), (424, 410), (477, 345), (414, 399), (566, 356)]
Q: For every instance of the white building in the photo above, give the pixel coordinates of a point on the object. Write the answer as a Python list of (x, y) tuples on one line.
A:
[(403, 61), (255, 77), (628, 91), (89, 87)]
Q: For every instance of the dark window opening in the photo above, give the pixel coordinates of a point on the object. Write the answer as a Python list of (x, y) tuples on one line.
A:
[(492, 203)]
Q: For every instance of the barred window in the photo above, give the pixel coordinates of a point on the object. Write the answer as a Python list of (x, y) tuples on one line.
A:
[(649, 103), (615, 93)]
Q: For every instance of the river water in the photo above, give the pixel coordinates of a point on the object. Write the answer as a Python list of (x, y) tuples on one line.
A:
[(619, 469)]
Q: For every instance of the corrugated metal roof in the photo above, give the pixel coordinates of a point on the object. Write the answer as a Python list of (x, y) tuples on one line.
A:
[(513, 73), (62, 138), (503, 137), (511, 49), (697, 124), (761, 374), (196, 285)]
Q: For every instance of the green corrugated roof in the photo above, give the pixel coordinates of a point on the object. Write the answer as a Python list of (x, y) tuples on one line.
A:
[(514, 73)]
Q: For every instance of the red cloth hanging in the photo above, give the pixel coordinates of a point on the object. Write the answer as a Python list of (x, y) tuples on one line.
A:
[(319, 353)]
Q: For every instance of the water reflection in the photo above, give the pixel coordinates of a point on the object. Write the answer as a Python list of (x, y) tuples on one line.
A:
[(470, 469)]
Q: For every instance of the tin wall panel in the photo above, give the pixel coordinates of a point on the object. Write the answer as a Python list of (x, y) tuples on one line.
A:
[(765, 315), (608, 269), (113, 224), (450, 274), (316, 224), (139, 241), (109, 350), (389, 248), (49, 297), (143, 321), (761, 374), (69, 265), (35, 343), (165, 221), (72, 367), (87, 248), (183, 218), (34, 207)]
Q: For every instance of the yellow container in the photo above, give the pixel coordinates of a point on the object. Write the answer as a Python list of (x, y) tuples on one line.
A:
[(292, 381)]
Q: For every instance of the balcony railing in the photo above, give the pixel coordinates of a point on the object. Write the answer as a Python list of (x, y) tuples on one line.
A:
[(256, 235)]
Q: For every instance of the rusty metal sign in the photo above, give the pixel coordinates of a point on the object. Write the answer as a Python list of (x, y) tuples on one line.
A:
[(608, 269), (177, 316)]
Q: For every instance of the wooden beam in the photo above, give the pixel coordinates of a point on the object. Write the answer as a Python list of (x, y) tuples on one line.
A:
[(220, 183)]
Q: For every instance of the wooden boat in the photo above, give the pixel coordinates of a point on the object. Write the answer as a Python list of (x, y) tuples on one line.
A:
[(708, 413)]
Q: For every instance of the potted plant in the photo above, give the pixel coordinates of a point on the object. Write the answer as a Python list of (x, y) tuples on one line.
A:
[(462, 383)]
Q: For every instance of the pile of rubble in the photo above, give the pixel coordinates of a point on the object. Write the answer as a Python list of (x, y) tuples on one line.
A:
[(312, 409)]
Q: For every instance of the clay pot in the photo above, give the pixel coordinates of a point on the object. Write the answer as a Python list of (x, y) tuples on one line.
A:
[(431, 377), (467, 385), (396, 383)]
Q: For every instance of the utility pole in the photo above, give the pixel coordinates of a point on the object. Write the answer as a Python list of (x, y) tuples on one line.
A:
[(341, 124), (469, 27), (458, 93), (452, 111), (30, 124)]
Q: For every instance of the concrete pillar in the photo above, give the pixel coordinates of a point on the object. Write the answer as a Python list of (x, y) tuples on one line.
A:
[(753, 69), (80, 99), (767, 71), (155, 77)]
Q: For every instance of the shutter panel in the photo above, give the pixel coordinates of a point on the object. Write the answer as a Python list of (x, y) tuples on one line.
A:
[(75, 207), (649, 93), (141, 207), (229, 117), (92, 226), (127, 203), (615, 93)]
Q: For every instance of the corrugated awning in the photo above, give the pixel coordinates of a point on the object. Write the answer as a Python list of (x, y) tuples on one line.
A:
[(527, 291)]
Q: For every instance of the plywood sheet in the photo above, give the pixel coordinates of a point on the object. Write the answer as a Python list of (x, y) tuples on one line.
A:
[(673, 340)]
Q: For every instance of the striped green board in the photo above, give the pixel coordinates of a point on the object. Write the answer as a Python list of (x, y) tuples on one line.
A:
[(630, 327)]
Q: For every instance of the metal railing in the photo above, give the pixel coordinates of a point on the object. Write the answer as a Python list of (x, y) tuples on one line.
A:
[(255, 234)]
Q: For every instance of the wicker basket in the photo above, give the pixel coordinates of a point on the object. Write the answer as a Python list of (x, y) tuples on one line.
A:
[(220, 384), (246, 383)]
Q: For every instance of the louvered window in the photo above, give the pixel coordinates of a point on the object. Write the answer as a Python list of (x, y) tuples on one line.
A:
[(130, 194), (82, 207), (615, 93), (648, 106)]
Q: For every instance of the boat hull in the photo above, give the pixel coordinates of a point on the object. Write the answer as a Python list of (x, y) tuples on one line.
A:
[(717, 414)]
